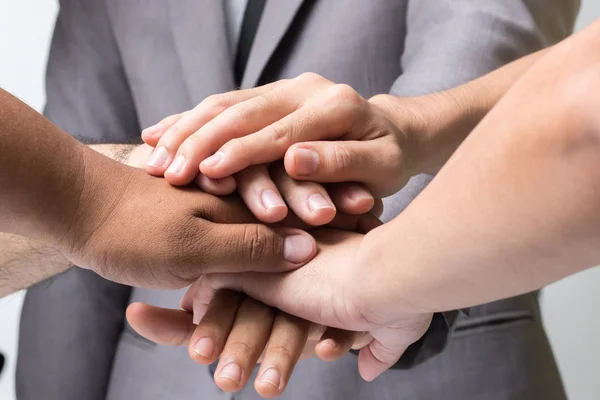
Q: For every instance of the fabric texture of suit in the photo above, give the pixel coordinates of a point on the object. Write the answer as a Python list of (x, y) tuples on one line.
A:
[(117, 66)]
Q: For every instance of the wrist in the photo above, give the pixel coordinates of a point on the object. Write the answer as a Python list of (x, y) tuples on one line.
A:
[(434, 125), (382, 297), (103, 182)]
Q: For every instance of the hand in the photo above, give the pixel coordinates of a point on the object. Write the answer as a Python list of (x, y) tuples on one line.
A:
[(239, 331), (136, 229), (252, 127), (339, 289)]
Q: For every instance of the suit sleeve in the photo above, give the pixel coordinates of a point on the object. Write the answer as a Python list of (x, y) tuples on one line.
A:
[(449, 43), (71, 324)]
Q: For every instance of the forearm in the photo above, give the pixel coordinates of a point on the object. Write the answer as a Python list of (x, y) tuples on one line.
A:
[(443, 120), (449, 44), (446, 118), (24, 262), (515, 208), (41, 178), (41, 172)]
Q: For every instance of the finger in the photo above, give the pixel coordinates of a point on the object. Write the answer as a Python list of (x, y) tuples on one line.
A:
[(388, 345), (212, 331), (203, 296), (376, 358), (319, 121), (254, 247), (334, 344), (172, 138), (260, 194), (187, 301), (361, 340), (287, 340), (378, 163), (244, 346), (312, 292), (218, 187), (161, 325), (241, 119), (351, 198), (152, 134), (308, 200)]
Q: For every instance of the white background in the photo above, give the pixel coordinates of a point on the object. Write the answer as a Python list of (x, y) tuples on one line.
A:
[(570, 307)]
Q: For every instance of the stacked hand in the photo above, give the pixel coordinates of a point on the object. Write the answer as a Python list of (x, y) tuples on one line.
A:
[(324, 133), (241, 331)]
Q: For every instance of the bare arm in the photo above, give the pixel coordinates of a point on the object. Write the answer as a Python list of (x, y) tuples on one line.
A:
[(25, 261), (446, 118), (520, 196), (40, 166)]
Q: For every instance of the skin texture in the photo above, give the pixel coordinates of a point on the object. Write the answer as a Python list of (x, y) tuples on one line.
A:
[(120, 222), (324, 132), (238, 329), (20, 255), (520, 210)]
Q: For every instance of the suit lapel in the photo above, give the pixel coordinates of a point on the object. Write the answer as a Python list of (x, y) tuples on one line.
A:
[(276, 19), (200, 40)]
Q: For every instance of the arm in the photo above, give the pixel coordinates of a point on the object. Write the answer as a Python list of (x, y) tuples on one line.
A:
[(520, 195), (41, 175), (450, 43), (20, 255), (62, 193)]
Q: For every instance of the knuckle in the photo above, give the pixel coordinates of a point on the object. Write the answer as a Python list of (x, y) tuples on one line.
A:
[(383, 353), (310, 77), (240, 347), (278, 133), (341, 157), (217, 103), (257, 242), (191, 145), (379, 99), (344, 93), (281, 351)]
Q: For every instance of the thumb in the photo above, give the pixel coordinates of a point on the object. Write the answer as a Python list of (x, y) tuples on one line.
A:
[(388, 345), (377, 163)]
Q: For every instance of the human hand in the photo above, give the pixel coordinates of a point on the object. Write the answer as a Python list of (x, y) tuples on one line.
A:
[(338, 288), (251, 127), (136, 229), (239, 331)]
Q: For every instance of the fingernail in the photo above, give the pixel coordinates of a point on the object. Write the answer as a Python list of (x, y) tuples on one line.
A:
[(317, 202), (177, 164), (298, 248), (270, 199), (306, 161), (213, 160), (329, 343), (358, 193), (232, 371), (152, 130), (272, 377), (204, 347), (159, 157)]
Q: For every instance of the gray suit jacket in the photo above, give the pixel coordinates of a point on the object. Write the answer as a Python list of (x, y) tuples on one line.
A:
[(117, 66)]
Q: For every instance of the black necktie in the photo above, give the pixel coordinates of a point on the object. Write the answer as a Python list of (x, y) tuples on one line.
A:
[(254, 10)]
